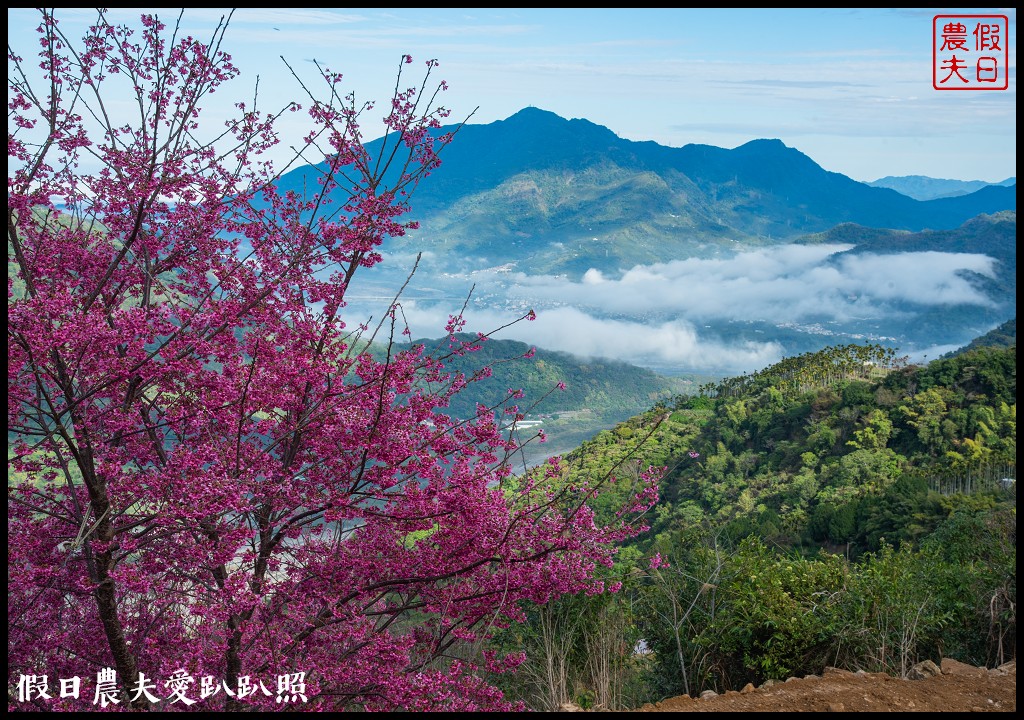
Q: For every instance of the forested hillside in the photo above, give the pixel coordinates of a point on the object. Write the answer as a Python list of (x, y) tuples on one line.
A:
[(1003, 336), (840, 508), (604, 388), (569, 398)]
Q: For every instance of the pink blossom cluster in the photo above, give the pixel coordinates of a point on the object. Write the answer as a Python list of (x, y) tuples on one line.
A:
[(214, 479)]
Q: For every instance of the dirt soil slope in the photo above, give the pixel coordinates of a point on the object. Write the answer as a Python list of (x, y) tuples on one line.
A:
[(958, 688)]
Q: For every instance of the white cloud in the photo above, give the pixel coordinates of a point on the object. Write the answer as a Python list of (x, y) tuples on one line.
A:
[(656, 314), (674, 343), (788, 283)]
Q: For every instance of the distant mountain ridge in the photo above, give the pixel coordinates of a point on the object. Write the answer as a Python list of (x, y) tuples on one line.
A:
[(921, 187), (558, 195)]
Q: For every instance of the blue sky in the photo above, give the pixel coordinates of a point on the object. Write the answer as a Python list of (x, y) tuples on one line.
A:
[(851, 88)]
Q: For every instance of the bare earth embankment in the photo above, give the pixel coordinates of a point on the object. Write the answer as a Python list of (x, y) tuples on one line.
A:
[(957, 688)]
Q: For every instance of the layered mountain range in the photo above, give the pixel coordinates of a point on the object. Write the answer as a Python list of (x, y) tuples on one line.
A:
[(557, 195), (694, 258)]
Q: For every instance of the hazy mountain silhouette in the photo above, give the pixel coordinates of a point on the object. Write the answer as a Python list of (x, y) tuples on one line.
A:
[(921, 187)]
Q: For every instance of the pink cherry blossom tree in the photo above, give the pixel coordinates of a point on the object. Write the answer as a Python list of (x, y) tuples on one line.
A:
[(220, 499)]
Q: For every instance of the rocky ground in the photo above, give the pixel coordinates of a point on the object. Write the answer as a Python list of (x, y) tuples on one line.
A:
[(955, 687)]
